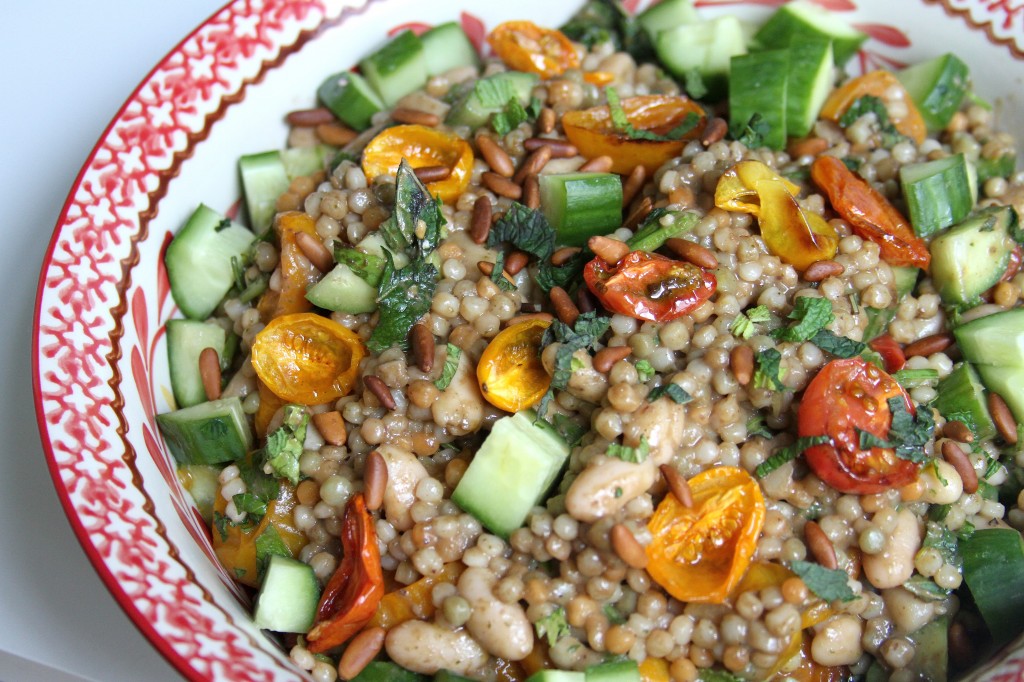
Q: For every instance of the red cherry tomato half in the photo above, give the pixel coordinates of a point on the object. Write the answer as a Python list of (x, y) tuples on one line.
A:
[(891, 352), (847, 395), (648, 286)]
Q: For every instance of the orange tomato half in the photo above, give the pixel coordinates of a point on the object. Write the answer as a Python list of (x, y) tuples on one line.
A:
[(297, 274), (592, 132), (885, 86), (510, 372), (413, 602), (421, 146), (525, 46), (700, 553)]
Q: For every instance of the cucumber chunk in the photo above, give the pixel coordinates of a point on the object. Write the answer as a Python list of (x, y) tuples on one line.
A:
[(994, 344), (757, 85), (186, 340), (511, 472), (557, 675), (994, 572), (396, 69), (300, 161), (618, 671), (489, 95), (971, 257), (208, 433), (350, 98), (581, 205), (343, 290), (938, 87), (704, 48), (288, 597), (446, 47), (939, 193), (811, 76), (906, 279), (386, 671), (801, 20), (931, 651), (961, 393), (198, 261), (264, 179), (667, 14)]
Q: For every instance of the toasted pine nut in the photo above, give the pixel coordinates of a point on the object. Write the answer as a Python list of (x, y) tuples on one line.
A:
[(375, 480), (677, 484), (309, 118), (533, 164), (313, 249), (515, 262), (606, 358), (741, 360), (714, 131), (958, 431), (335, 134), (531, 192), (823, 269), (936, 343), (952, 453), (820, 546), (331, 426), (693, 252), (1006, 425), (633, 184), (609, 250), (639, 213), (527, 317), (628, 547), (807, 146), (415, 117), (562, 255), (546, 121), (378, 388), (598, 164), (362, 649), (209, 372), (421, 341), (480, 223), (565, 309), (496, 157), (428, 174), (501, 186), (560, 149)]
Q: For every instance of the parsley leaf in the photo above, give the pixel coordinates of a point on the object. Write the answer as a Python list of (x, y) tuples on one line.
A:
[(587, 331), (268, 544), (788, 453), (284, 445), (417, 224), (757, 427), (839, 346), (403, 298), (753, 132), (628, 454), (554, 626), (829, 584), (674, 391), (451, 366), (571, 431), (769, 371), (644, 370), (622, 124), (812, 314), (909, 433)]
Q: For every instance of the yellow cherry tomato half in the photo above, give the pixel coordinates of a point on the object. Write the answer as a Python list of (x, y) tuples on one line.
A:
[(421, 147), (307, 358), (885, 86), (510, 372), (592, 132), (525, 46)]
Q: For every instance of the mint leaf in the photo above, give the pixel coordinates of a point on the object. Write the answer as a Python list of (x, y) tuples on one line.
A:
[(451, 365), (268, 544), (744, 326), (554, 626), (839, 346), (514, 114), (221, 523), (368, 267), (869, 440), (494, 92), (628, 454), (587, 331), (925, 589), (498, 274), (943, 540), (417, 224), (812, 315), (788, 454), (753, 132), (769, 371), (674, 391), (759, 314), (284, 445), (261, 488), (757, 427), (910, 433), (247, 503), (829, 584), (526, 229), (403, 298), (621, 123)]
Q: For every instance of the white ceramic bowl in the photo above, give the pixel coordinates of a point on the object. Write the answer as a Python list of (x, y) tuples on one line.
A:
[(100, 369)]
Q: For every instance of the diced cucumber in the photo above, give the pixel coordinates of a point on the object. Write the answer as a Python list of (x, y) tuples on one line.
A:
[(396, 69), (906, 279), (373, 244), (198, 261), (617, 671), (996, 339), (801, 20), (557, 675), (667, 14), (878, 322), (704, 48), (937, 87), (288, 597), (511, 472), (264, 179), (386, 671), (1008, 382), (939, 193), (811, 77), (301, 161), (350, 98), (202, 483), (368, 267), (994, 572), (343, 290), (186, 340), (971, 257), (446, 47), (931, 651), (208, 433), (581, 205), (757, 85), (489, 95), (961, 393)]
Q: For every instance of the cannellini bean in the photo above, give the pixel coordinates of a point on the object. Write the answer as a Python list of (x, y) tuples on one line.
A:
[(460, 407), (606, 485), (661, 423), (908, 612), (942, 484), (427, 648), (421, 101), (838, 642), (502, 629), (894, 565), (404, 474), (586, 383)]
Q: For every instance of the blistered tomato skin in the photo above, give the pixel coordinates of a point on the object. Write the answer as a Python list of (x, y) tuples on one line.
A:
[(886, 87), (510, 372), (525, 46), (421, 147)]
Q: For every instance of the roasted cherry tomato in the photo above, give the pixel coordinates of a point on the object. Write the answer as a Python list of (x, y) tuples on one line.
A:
[(307, 358), (891, 352), (885, 86), (510, 372), (525, 46), (297, 274), (700, 553), (592, 132), (421, 146), (648, 286), (847, 396), (869, 213), (413, 602)]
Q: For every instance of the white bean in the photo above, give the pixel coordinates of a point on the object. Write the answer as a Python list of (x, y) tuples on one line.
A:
[(838, 642), (606, 485), (894, 565), (908, 612), (404, 473), (660, 422), (942, 484), (586, 383), (427, 648), (460, 407), (502, 629)]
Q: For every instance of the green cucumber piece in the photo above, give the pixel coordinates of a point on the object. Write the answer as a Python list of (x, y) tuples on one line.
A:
[(906, 279), (343, 290), (811, 77), (961, 393), (557, 675), (288, 597), (937, 87), (198, 261), (996, 339), (802, 20), (446, 47), (386, 671), (511, 472), (1007, 381), (939, 193), (186, 340), (931, 651), (757, 85), (208, 433), (581, 205), (971, 257), (301, 161), (396, 69), (350, 98), (373, 245), (617, 671), (489, 95), (368, 267), (704, 48), (202, 483), (264, 179), (653, 236), (667, 14), (994, 572)]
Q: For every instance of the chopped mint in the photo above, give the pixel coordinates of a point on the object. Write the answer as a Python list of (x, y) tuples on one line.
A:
[(554, 626), (284, 446), (628, 454), (829, 584), (451, 365)]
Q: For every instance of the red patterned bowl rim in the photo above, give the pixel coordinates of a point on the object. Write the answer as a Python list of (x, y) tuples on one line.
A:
[(282, 27)]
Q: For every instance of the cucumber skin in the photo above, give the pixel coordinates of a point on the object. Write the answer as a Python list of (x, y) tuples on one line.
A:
[(284, 603), (396, 69), (666, 15), (971, 257), (757, 85), (581, 205), (186, 340), (342, 290), (446, 47), (705, 47), (996, 340), (557, 676), (994, 572), (470, 110), (807, 88), (940, 99), (788, 25), (618, 671), (938, 193), (264, 179), (353, 101), (962, 391), (224, 438)]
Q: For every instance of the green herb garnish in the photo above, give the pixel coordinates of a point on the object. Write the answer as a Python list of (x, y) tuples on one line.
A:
[(752, 133), (403, 298), (621, 123), (628, 454), (839, 346), (587, 331), (674, 391), (451, 365), (788, 454), (812, 315), (268, 544), (644, 370), (284, 445), (829, 584), (554, 626), (769, 370)]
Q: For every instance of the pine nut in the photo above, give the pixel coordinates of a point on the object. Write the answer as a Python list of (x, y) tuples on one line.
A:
[(515, 262), (496, 157), (375, 480), (480, 223), (378, 388), (564, 254), (331, 426), (598, 164), (335, 134), (309, 118), (546, 121), (714, 131), (428, 174), (529, 317), (609, 250), (487, 268), (633, 184), (958, 431), (807, 146), (639, 213), (936, 343), (209, 372), (421, 341), (682, 195), (531, 192), (606, 358), (415, 117), (533, 164), (565, 309), (823, 269), (560, 149), (501, 186), (693, 252), (1006, 425), (628, 547), (952, 453), (314, 250), (362, 649), (741, 360), (677, 485), (820, 546)]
